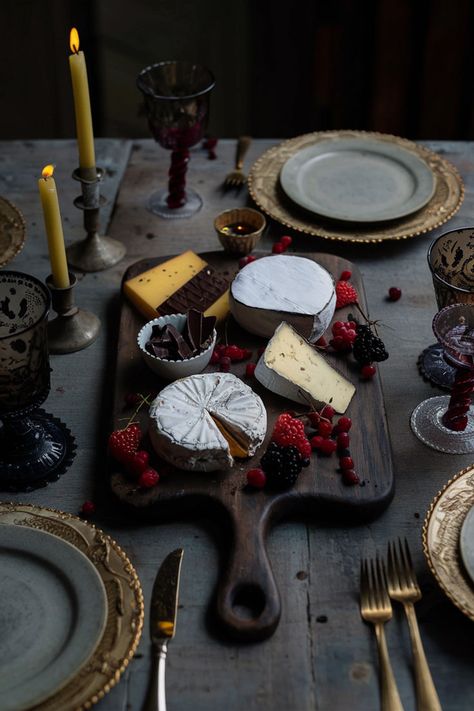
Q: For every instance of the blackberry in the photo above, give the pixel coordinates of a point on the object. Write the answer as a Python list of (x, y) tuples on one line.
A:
[(368, 347), (282, 465)]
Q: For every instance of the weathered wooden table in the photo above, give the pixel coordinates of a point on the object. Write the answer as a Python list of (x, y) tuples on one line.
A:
[(322, 656)]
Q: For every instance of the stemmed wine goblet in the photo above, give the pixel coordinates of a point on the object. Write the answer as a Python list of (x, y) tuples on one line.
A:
[(451, 262), (446, 423), (176, 96), (35, 447)]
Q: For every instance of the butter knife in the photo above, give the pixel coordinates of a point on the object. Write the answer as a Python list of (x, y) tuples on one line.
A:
[(163, 612)]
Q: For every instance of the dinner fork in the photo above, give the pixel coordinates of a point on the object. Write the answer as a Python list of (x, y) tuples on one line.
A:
[(375, 607), (403, 587), (235, 179)]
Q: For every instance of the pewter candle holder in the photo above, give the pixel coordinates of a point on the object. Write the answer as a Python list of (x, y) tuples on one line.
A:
[(94, 253), (73, 329)]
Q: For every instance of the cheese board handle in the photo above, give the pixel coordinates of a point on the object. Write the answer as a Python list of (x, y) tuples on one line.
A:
[(248, 601)]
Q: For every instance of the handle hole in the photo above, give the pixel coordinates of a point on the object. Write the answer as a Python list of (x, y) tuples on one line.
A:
[(248, 602)]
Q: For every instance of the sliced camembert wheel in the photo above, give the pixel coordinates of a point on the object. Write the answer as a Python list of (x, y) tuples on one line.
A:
[(202, 422), (291, 367), (283, 288)]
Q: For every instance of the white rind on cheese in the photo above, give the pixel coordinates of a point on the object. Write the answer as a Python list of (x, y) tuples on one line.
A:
[(283, 288), (183, 432), (291, 367)]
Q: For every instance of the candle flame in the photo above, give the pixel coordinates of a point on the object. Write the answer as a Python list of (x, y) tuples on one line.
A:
[(47, 171), (74, 40)]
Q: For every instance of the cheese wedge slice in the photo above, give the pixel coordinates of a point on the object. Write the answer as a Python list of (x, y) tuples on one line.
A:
[(177, 285), (291, 367)]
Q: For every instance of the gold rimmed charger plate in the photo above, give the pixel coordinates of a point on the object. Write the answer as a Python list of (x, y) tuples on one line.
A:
[(265, 189), (441, 531), (12, 231), (125, 610)]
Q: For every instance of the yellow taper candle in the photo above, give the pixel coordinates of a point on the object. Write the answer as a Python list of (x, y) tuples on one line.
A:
[(82, 104), (54, 227)]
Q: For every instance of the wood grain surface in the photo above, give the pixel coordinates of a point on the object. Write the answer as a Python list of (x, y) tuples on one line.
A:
[(321, 656), (318, 494)]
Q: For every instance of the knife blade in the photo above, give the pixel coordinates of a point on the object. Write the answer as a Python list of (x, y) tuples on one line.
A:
[(163, 613)]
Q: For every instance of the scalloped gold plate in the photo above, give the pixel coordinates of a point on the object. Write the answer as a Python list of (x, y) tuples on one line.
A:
[(12, 231), (125, 609), (441, 532), (265, 189)]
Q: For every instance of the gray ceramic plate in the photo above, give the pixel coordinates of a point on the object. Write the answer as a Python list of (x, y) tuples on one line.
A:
[(358, 180), (466, 543), (52, 614)]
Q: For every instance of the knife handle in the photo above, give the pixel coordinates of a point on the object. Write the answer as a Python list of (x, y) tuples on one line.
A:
[(248, 585), (156, 694)]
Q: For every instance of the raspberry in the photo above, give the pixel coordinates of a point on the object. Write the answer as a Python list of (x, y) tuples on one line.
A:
[(250, 369), (368, 371), (394, 293), (138, 462), (345, 275), (325, 428), (286, 240), (278, 248), (87, 509), (123, 443), (345, 294), (349, 477), (148, 479), (290, 431), (344, 424), (256, 478)]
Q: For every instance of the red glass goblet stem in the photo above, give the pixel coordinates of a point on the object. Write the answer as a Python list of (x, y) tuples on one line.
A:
[(455, 417), (177, 178)]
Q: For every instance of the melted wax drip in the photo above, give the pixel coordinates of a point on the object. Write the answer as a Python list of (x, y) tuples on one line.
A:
[(455, 417)]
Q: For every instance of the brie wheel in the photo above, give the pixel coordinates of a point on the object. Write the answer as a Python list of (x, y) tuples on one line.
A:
[(283, 288), (190, 418)]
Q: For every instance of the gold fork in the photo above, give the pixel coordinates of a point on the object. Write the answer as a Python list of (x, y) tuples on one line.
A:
[(375, 607), (235, 179), (403, 587)]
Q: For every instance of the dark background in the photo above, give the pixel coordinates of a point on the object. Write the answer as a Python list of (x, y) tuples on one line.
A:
[(399, 66)]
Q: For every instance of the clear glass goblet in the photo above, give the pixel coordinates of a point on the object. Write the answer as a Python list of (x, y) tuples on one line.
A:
[(176, 96), (446, 423)]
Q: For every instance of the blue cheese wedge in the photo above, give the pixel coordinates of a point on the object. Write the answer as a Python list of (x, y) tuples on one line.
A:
[(291, 367), (202, 422), (283, 288)]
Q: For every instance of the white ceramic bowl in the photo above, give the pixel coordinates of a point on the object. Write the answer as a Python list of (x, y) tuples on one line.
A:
[(173, 369)]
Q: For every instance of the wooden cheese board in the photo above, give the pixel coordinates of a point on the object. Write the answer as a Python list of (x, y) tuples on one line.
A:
[(318, 494)]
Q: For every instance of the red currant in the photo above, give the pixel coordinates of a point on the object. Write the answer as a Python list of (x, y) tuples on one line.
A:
[(314, 418), (345, 275), (346, 463), (394, 293), (349, 477), (316, 441), (138, 462), (243, 262), (251, 258), (278, 248), (325, 428), (343, 440), (327, 447), (256, 478), (321, 342), (87, 509), (368, 371), (224, 364), (149, 478), (328, 412), (215, 357), (344, 424), (286, 240), (250, 369)]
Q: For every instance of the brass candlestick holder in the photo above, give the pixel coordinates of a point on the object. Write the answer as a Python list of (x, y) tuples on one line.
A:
[(73, 329), (94, 253)]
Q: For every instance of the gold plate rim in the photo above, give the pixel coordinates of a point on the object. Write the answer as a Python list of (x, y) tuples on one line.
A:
[(18, 222), (101, 672), (451, 547), (449, 185)]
